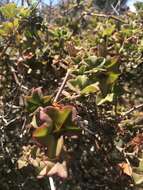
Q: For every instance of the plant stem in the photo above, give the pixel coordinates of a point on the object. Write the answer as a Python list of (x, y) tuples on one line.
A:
[(131, 110), (51, 181), (62, 86)]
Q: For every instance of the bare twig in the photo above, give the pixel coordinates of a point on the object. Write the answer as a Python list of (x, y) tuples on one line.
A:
[(106, 16), (62, 86), (131, 110), (115, 10), (15, 76), (16, 79), (51, 181), (6, 47)]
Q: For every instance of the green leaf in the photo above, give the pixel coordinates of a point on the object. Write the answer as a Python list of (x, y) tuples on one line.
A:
[(36, 100), (71, 130), (108, 98), (44, 138), (58, 116), (9, 27), (43, 131), (31, 107), (78, 83), (34, 122), (108, 31), (112, 77), (59, 147), (43, 135), (52, 146), (92, 60), (92, 88), (9, 10), (24, 12), (82, 70), (46, 99), (138, 178), (107, 80), (63, 120)]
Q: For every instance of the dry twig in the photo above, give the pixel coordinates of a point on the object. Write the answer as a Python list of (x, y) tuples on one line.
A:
[(62, 85), (131, 110)]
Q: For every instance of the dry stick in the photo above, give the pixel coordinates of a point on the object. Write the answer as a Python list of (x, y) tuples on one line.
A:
[(62, 86), (131, 110), (115, 10), (51, 181), (6, 47), (106, 16), (110, 16)]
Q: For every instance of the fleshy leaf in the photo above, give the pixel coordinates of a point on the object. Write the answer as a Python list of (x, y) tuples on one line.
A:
[(78, 83), (43, 135), (90, 89), (34, 122), (126, 168), (108, 98), (59, 116), (45, 117), (42, 132), (59, 146), (71, 130), (36, 100), (46, 167), (46, 99), (59, 170), (51, 169)]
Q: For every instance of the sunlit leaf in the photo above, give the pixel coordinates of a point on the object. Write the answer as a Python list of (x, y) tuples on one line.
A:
[(44, 117), (44, 168), (36, 100), (108, 31), (22, 163), (34, 122), (108, 98), (138, 178), (78, 83), (126, 168), (24, 12), (90, 89), (42, 132), (59, 170), (59, 116), (43, 135), (59, 147), (9, 10)]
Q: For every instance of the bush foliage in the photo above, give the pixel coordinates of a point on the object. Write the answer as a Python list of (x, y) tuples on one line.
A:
[(71, 98)]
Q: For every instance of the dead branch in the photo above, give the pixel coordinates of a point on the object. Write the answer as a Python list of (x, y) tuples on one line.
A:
[(131, 110), (62, 85)]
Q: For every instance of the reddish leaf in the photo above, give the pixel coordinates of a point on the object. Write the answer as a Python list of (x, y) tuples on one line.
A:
[(126, 168), (59, 170)]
